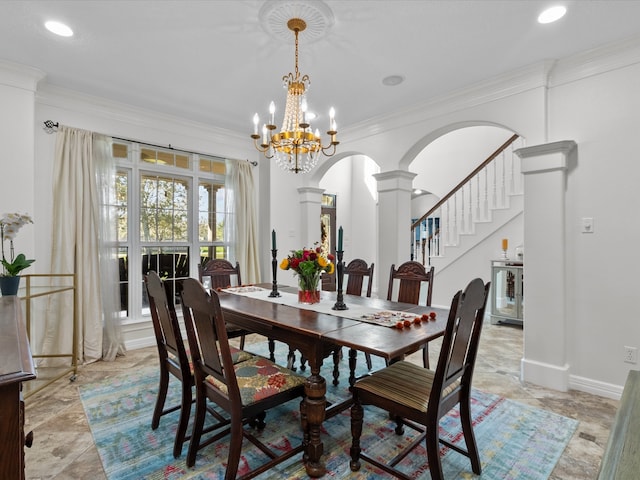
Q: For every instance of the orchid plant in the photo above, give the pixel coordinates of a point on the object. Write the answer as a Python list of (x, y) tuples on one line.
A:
[(10, 223)]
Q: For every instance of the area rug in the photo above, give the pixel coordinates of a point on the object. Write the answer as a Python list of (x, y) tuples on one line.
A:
[(516, 441)]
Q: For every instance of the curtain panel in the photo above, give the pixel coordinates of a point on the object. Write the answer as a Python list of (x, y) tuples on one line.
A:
[(80, 215)]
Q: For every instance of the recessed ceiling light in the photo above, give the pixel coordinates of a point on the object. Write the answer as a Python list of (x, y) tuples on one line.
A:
[(392, 80), (58, 28), (552, 14)]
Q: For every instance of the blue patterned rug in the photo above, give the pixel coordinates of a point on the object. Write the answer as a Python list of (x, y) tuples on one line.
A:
[(516, 441)]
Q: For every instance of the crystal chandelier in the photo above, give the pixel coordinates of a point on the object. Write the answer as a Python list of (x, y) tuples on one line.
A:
[(295, 148)]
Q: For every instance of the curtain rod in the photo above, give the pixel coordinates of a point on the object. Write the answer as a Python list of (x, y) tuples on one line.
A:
[(51, 127)]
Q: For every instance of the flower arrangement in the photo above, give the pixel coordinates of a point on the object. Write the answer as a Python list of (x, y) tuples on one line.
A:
[(308, 264), (10, 223)]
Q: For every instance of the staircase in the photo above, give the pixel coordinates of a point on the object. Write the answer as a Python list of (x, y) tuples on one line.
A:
[(485, 202)]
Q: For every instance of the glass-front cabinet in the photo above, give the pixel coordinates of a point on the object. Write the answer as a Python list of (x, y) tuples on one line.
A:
[(507, 294)]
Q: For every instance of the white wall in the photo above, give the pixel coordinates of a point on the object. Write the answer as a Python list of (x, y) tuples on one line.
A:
[(602, 114)]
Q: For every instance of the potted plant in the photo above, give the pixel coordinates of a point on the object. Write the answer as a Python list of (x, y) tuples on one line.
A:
[(308, 265), (10, 223)]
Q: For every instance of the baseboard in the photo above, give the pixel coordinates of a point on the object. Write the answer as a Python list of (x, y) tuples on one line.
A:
[(546, 375), (594, 387)]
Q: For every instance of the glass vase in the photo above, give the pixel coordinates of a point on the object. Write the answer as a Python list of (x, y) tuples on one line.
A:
[(308, 291)]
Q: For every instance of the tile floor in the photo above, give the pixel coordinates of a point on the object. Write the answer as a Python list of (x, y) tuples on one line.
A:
[(63, 446)]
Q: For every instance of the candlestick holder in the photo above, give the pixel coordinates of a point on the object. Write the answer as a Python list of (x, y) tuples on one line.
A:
[(504, 255), (340, 305), (274, 269)]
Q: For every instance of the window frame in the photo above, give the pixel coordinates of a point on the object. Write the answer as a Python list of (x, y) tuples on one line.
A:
[(134, 168)]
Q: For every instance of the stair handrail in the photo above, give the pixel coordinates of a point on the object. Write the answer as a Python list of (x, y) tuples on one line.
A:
[(455, 189)]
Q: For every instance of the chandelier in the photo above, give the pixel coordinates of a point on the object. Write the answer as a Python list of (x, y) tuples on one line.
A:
[(295, 148)]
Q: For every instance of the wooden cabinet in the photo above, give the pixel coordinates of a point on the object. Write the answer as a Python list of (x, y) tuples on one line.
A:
[(507, 291), (16, 366)]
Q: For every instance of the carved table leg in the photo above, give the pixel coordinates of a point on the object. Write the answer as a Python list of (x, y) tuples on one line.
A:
[(313, 413)]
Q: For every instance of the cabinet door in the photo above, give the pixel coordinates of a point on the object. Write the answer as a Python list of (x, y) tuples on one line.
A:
[(506, 283)]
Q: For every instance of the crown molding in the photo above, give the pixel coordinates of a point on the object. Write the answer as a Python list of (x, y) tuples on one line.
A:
[(546, 74), (596, 61), (71, 100), (20, 76)]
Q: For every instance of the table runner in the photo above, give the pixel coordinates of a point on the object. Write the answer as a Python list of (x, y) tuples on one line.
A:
[(362, 313)]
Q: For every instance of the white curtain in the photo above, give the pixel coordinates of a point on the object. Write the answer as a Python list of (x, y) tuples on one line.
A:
[(241, 204), (76, 248)]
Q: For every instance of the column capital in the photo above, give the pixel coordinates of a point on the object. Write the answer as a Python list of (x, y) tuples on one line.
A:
[(310, 194), (545, 157), (395, 180)]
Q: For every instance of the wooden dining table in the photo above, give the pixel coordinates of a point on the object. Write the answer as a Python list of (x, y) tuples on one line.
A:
[(315, 334)]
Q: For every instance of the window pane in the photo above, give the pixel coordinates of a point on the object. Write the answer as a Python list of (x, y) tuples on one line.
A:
[(122, 196), (171, 264), (165, 157), (164, 209), (120, 150), (123, 269)]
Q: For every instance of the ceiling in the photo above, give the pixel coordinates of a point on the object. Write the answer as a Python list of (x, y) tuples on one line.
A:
[(215, 62)]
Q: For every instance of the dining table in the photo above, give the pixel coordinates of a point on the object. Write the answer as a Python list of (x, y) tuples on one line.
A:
[(368, 325)]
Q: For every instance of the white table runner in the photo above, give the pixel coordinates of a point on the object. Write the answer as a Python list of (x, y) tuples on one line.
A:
[(362, 313)]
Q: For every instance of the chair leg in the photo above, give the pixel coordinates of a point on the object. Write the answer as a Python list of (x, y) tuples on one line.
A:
[(357, 415), (432, 440), (336, 366), (291, 359), (162, 396), (198, 423), (183, 422), (242, 342), (272, 349), (367, 357), (305, 431), (469, 436), (352, 367), (235, 449), (425, 356)]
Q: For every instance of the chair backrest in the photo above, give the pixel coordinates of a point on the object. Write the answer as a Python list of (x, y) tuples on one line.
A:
[(459, 348), (208, 340), (220, 272), (165, 322), (356, 270), (411, 275)]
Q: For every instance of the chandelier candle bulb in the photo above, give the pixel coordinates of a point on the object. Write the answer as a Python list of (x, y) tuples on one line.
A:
[(272, 111), (256, 120)]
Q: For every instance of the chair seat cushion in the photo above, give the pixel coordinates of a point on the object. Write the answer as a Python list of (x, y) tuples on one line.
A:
[(259, 378), (404, 383), (237, 356)]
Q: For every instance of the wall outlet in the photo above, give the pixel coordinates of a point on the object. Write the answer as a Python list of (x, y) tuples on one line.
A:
[(630, 355)]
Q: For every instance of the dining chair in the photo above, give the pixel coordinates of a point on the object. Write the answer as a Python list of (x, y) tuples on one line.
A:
[(419, 397), (356, 271), (244, 391), (220, 272), (174, 358), (411, 276)]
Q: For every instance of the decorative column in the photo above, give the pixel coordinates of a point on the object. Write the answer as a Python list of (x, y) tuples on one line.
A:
[(394, 220), (545, 168), (18, 85), (310, 209)]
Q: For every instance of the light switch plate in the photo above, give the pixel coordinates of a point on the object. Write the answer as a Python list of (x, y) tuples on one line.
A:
[(587, 225)]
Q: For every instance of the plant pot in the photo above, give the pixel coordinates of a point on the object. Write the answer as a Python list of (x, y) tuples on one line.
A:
[(9, 285)]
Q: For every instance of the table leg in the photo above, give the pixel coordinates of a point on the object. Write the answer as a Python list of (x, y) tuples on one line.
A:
[(312, 411)]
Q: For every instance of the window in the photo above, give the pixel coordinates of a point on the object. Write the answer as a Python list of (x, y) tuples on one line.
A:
[(163, 219)]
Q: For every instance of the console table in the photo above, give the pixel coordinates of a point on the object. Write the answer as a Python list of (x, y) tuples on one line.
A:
[(16, 366)]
